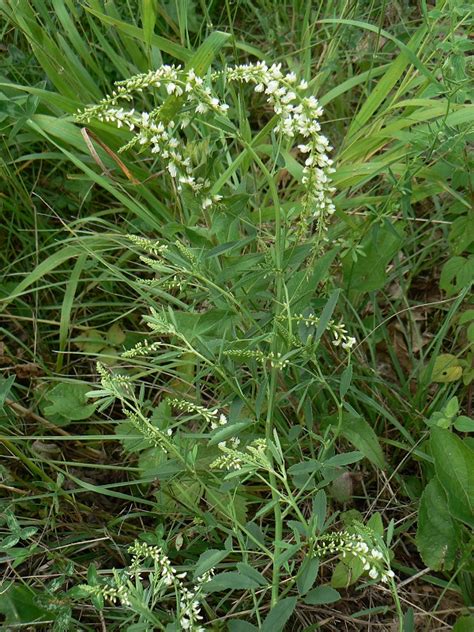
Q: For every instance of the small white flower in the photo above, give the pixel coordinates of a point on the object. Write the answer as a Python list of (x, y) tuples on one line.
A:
[(373, 573), (272, 86), (222, 419)]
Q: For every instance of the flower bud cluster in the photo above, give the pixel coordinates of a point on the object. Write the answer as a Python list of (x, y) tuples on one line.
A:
[(151, 246), (119, 593), (155, 436), (189, 607), (159, 325), (254, 455), (141, 349), (276, 360), (114, 384)]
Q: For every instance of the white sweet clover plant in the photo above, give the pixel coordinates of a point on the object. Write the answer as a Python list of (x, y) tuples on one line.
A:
[(176, 267)]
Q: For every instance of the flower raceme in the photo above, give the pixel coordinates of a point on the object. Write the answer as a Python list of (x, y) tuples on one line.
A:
[(296, 119), (127, 588)]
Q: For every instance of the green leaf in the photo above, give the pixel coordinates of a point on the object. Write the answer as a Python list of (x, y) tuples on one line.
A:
[(446, 369), (68, 401), (409, 621), (375, 523), (452, 407), (346, 458), (9, 541), (209, 559), (207, 51), (368, 273), (464, 624), (229, 430), (363, 437), (18, 606), (90, 341), (346, 379), (305, 467), (454, 468), (307, 575), (241, 626), (230, 581), (6, 384), (149, 13), (45, 267), (238, 504), (115, 335), (326, 314), (279, 615), (347, 573), (249, 571), (464, 424), (161, 43), (319, 509), (321, 595), (437, 534), (457, 273), (27, 532)]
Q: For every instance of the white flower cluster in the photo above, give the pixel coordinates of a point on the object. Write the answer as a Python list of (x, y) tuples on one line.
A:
[(340, 335), (212, 416), (189, 607), (277, 361), (254, 455), (298, 118), (152, 129), (163, 576), (141, 551), (356, 545)]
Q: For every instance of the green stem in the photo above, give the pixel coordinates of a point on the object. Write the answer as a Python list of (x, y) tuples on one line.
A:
[(279, 247), (275, 495)]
